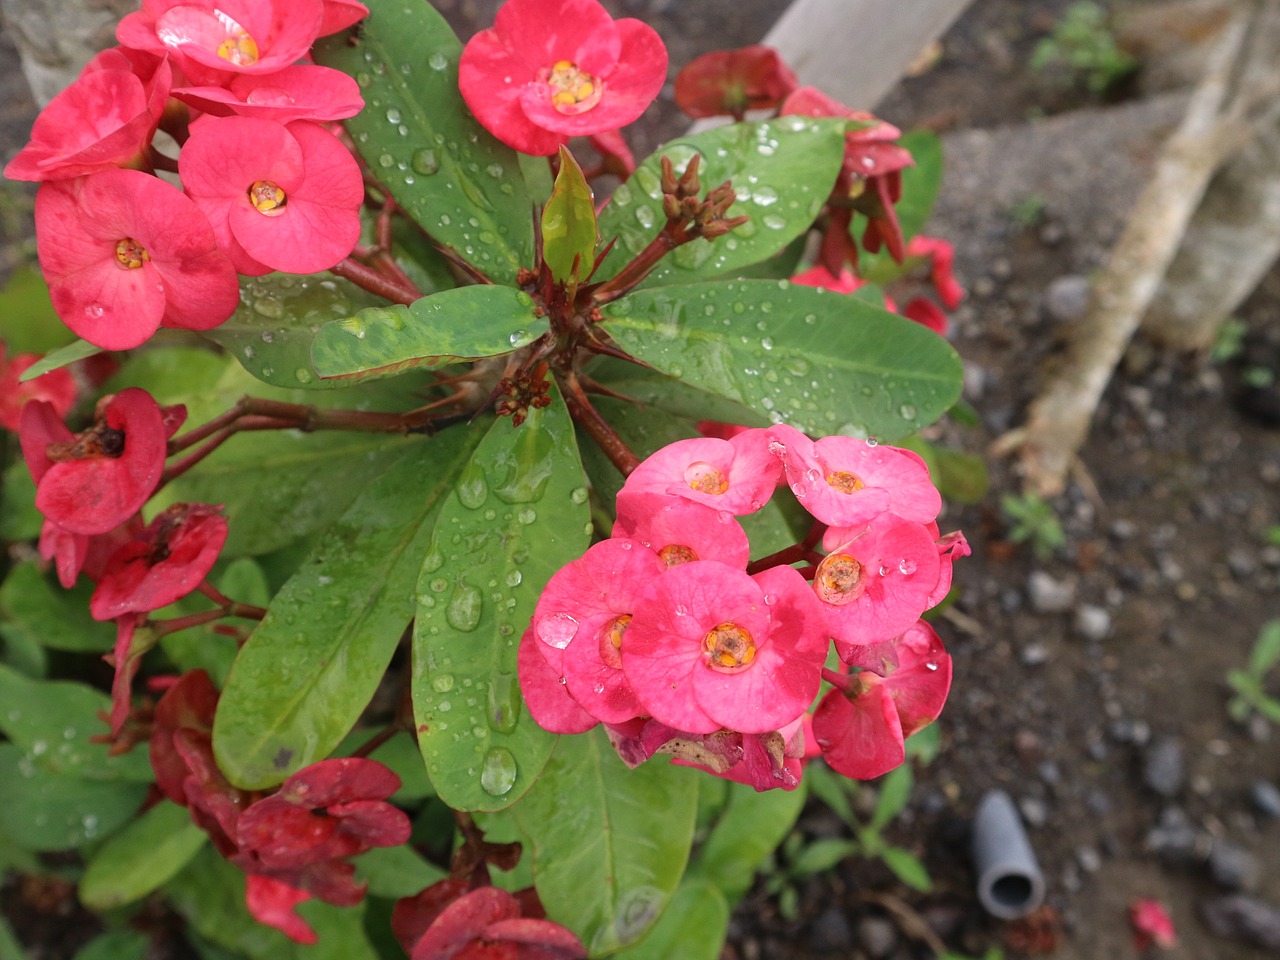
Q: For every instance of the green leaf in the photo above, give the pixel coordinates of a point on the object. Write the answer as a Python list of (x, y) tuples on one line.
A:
[(141, 857), (114, 945), (279, 314), (609, 844), (41, 810), (396, 871), (62, 357), (782, 172), (52, 721), (821, 856), (895, 792), (467, 190), (10, 948), (569, 223), (19, 518), (823, 362), (1266, 649), (209, 894), (28, 322), (58, 619), (833, 790), (311, 667), (751, 828), (517, 514), (692, 927), (907, 868), (649, 388), (465, 323)]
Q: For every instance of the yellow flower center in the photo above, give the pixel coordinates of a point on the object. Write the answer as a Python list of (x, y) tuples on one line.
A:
[(267, 197), (728, 647), (611, 640), (844, 481), (572, 90), (839, 580), (705, 478), (130, 254), (674, 554), (238, 47)]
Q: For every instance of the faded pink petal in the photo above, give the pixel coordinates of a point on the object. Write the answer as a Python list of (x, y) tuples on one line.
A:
[(272, 902)]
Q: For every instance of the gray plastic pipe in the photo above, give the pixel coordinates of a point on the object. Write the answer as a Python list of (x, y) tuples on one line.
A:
[(1010, 884)]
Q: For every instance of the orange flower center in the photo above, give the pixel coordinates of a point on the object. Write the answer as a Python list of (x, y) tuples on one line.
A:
[(267, 197), (611, 640), (728, 647), (839, 580), (674, 554), (572, 90), (130, 254), (844, 481), (238, 47), (705, 478)]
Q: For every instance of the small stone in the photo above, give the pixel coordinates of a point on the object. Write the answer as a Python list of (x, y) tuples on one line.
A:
[(1242, 562), (1163, 769), (1175, 838), (1239, 917), (830, 933), (1124, 529), (1234, 867), (1067, 297), (1035, 654), (1052, 233), (1050, 773), (1092, 622), (1034, 811), (1266, 797), (877, 936), (1048, 595), (1089, 859)]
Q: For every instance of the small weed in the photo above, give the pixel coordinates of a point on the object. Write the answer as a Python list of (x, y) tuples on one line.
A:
[(1249, 684), (1033, 521), (1081, 48), (1229, 342), (1028, 210)]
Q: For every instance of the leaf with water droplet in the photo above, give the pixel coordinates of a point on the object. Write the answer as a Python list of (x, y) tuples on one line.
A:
[(850, 347), (514, 549), (310, 668), (609, 844), (465, 323), (569, 223), (800, 170), (439, 154)]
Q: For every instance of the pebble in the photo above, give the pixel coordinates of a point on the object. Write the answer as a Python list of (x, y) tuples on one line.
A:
[(1240, 917), (1034, 810), (1163, 767), (1048, 595), (1067, 297), (1266, 797), (1233, 867), (1089, 859), (1242, 562), (1092, 622), (1034, 654), (1175, 838), (829, 932), (877, 936)]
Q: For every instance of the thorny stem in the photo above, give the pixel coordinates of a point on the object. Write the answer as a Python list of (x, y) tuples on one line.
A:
[(641, 264), (585, 415), (162, 628), (395, 290), (794, 553)]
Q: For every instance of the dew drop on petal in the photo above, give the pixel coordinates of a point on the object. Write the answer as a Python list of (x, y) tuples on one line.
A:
[(906, 566), (931, 666), (557, 630)]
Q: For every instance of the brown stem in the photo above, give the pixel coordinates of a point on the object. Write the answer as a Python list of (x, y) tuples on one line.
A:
[(671, 236), (586, 416), (375, 282), (377, 740)]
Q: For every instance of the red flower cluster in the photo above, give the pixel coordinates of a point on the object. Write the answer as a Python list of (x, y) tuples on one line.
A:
[(671, 638), (294, 844), (267, 186)]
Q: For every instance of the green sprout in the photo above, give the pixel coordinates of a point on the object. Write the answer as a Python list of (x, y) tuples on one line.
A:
[(1250, 684), (1033, 521), (1083, 48)]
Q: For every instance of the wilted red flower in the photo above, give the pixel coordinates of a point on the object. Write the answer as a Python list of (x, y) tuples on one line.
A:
[(125, 253), (93, 481), (56, 388), (446, 922), (548, 70), (731, 82), (169, 560)]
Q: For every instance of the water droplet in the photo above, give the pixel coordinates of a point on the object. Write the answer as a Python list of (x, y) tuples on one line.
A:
[(465, 606), (682, 610), (770, 599), (442, 682), (498, 772), (907, 411), (504, 702), (764, 196), (774, 222), (354, 326), (514, 577), (931, 666), (425, 162), (557, 630), (444, 706), (579, 495), (386, 160), (363, 79), (433, 561), (437, 61), (767, 343), (249, 352), (527, 515), (645, 217), (906, 566), (472, 490), (302, 376), (518, 337), (393, 115), (872, 442)]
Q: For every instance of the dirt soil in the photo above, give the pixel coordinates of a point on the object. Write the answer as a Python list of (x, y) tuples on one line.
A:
[(1089, 684)]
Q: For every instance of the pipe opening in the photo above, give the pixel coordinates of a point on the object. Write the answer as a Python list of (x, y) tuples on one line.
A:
[(1012, 890)]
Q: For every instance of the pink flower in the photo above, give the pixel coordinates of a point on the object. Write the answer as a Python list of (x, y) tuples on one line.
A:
[(875, 581), (214, 40), (819, 276), (845, 481), (712, 647), (680, 530), (731, 82), (738, 475), (104, 119), (582, 617), (173, 555), (300, 92), (279, 197), (545, 692), (1151, 925), (94, 481), (340, 14), (56, 388), (861, 729), (549, 70), (125, 253), (941, 255)]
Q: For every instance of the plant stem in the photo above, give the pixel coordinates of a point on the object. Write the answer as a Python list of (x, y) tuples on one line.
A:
[(375, 282), (586, 416)]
